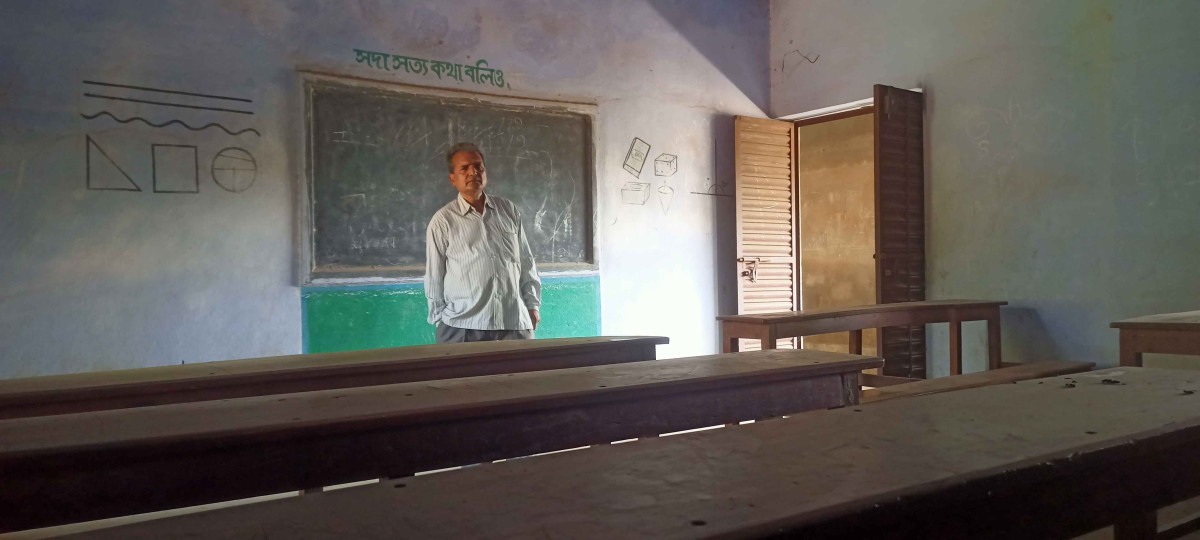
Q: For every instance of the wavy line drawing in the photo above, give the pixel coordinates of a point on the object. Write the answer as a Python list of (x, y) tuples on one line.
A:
[(165, 124)]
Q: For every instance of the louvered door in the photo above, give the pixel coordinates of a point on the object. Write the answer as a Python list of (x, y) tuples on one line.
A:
[(766, 228), (900, 221)]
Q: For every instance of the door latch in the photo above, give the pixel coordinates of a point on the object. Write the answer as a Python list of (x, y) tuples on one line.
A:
[(751, 267)]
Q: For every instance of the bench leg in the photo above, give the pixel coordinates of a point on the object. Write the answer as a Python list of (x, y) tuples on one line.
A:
[(993, 324), (1130, 355), (856, 342), (768, 337), (955, 344)]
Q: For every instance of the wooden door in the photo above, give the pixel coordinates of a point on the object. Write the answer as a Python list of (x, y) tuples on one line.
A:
[(835, 186), (765, 197), (900, 221)]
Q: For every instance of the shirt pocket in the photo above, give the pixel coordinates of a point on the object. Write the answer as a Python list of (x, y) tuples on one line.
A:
[(508, 243)]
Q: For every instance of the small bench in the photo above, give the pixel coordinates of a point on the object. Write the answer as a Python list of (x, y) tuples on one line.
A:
[(769, 327), (1167, 333)]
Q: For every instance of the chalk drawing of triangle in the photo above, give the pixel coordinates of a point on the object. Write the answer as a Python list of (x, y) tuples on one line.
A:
[(103, 174)]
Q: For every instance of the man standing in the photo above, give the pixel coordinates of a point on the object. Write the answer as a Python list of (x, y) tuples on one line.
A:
[(480, 278)]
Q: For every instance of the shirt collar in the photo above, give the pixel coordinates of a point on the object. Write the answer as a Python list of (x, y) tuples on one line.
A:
[(464, 207)]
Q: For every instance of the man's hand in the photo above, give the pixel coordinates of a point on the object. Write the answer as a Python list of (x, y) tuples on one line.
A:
[(535, 317)]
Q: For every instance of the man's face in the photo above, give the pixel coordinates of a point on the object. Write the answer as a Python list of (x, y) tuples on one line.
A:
[(469, 176)]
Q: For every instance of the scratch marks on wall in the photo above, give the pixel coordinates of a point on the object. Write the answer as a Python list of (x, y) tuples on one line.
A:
[(103, 174), (175, 168), (170, 122), (234, 169), (635, 158), (809, 58)]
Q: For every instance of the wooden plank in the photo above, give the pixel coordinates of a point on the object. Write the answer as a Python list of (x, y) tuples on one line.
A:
[(805, 315), (1188, 320), (1023, 460), (69, 468), (880, 381), (102, 390), (1022, 372)]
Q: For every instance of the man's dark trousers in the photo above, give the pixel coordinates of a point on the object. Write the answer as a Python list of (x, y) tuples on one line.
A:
[(450, 334)]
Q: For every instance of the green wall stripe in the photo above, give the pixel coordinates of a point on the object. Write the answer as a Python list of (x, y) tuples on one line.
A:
[(377, 316)]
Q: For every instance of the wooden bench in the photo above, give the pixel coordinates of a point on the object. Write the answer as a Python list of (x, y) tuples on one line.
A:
[(769, 327), (1165, 333), (69, 468), (1168, 333), (1004, 375), (102, 390), (1035, 459)]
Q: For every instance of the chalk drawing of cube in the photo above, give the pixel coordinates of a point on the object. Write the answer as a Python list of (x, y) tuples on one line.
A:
[(635, 193), (665, 165)]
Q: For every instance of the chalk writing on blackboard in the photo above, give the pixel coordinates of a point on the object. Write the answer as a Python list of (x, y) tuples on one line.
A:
[(479, 73), (635, 158), (103, 174)]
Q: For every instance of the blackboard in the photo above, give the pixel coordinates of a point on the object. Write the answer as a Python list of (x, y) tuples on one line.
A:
[(378, 173)]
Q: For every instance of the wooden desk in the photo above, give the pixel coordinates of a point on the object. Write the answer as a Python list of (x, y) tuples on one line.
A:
[(103, 390), (769, 327), (1034, 459), (69, 468), (1168, 333)]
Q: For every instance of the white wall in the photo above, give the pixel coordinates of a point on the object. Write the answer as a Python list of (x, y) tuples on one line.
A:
[(110, 279), (1063, 151)]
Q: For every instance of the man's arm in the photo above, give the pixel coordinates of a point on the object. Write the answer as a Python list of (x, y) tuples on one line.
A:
[(531, 283), (435, 270)]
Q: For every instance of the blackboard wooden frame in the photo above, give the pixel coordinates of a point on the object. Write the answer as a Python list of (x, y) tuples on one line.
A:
[(311, 275)]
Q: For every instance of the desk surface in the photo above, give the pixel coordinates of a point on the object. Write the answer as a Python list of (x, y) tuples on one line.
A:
[(299, 363), (835, 465), (334, 411), (1187, 320), (816, 314)]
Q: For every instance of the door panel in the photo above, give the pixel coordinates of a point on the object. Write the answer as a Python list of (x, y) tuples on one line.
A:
[(900, 220), (765, 195)]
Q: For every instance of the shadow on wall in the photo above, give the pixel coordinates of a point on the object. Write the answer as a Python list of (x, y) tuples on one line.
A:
[(1025, 336), (732, 34), (723, 219)]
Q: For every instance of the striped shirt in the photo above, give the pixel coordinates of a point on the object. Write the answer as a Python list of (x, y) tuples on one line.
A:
[(479, 270)]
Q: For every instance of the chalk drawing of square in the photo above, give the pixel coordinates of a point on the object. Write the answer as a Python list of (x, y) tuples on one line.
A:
[(176, 168)]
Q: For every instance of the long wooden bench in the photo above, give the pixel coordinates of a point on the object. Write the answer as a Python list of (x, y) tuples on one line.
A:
[(1026, 460), (69, 468), (769, 327), (1005, 375), (117, 389)]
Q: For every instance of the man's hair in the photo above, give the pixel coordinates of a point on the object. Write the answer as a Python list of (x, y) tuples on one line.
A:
[(460, 147)]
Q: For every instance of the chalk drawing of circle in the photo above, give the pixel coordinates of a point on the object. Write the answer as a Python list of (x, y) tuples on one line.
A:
[(234, 169)]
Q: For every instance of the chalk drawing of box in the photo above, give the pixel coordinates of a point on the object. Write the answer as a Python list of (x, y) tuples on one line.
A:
[(635, 193)]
